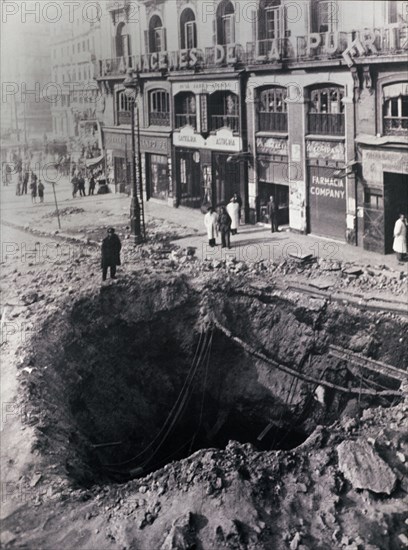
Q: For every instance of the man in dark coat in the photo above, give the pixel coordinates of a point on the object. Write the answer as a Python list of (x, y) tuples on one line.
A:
[(81, 185), (111, 247), (272, 213), (25, 183), (224, 226)]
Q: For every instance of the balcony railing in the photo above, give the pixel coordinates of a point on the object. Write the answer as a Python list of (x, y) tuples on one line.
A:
[(225, 121), (272, 122), (326, 123), (124, 117), (396, 126), (186, 120), (159, 119)]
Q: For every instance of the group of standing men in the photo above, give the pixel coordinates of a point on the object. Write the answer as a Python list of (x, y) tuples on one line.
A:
[(36, 186), (78, 184), (226, 221)]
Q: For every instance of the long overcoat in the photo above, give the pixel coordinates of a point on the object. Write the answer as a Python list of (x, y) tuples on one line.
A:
[(111, 247)]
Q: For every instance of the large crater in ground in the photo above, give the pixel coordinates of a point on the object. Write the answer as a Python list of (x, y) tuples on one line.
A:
[(137, 376)]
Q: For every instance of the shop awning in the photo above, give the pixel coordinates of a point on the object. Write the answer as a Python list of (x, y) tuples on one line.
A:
[(90, 163), (395, 90)]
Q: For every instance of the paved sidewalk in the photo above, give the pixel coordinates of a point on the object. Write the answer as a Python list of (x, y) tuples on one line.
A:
[(253, 242)]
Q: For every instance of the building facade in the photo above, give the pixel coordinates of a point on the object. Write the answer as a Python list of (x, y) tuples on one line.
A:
[(305, 101)]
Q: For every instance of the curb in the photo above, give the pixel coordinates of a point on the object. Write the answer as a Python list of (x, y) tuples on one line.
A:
[(55, 235)]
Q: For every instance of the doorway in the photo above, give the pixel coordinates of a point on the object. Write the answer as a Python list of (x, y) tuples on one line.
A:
[(227, 178), (395, 203)]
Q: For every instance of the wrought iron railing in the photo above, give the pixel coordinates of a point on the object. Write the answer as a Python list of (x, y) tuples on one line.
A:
[(326, 123), (225, 121), (272, 122), (186, 120), (159, 119), (396, 125)]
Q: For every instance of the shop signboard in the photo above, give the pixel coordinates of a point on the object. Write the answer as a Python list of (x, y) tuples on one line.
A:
[(223, 140), (376, 162), (332, 150), (327, 202), (272, 146)]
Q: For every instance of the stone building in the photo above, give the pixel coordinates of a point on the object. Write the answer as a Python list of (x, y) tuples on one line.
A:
[(305, 101)]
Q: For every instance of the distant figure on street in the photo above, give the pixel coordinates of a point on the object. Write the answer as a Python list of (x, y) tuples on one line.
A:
[(239, 201), (33, 187), (210, 222), (224, 226), (92, 185), (233, 211), (272, 214), (400, 237), (19, 184), (81, 185), (74, 183), (25, 183), (111, 247), (41, 190)]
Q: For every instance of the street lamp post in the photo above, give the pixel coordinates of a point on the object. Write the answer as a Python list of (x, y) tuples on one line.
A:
[(132, 88)]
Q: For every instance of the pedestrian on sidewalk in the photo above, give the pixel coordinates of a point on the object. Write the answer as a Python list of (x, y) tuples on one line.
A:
[(33, 187), (92, 185), (400, 237), (239, 201), (111, 247), (81, 185), (233, 211), (41, 190), (224, 226), (19, 184), (210, 222), (272, 214), (25, 183), (74, 183)]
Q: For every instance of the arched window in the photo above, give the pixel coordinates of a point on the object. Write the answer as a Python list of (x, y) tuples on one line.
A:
[(272, 110), (122, 41), (326, 111), (224, 110), (188, 29), (186, 109), (123, 108), (395, 108), (159, 108), (156, 35), (225, 23)]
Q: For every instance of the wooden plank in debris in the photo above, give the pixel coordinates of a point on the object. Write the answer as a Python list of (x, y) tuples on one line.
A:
[(301, 257), (264, 431), (367, 363)]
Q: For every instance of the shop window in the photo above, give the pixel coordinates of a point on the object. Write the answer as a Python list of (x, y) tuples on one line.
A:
[(225, 23), (373, 200), (185, 107), (123, 108), (272, 110), (325, 15), (395, 109), (155, 36), (159, 108), (122, 41), (188, 29), (224, 111), (326, 111)]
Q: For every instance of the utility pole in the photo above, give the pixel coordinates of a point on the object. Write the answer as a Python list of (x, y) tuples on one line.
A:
[(56, 204)]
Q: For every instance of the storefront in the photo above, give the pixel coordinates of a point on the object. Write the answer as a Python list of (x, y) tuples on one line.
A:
[(118, 155), (273, 180), (327, 196), (207, 142), (383, 192), (156, 166)]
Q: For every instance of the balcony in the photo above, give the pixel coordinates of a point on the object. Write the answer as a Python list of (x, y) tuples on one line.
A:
[(225, 121), (186, 120), (326, 124), (396, 126), (272, 122), (159, 119), (124, 117)]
